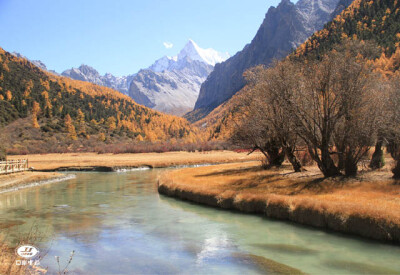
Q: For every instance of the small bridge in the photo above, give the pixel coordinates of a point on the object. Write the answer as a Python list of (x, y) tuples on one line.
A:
[(13, 166)]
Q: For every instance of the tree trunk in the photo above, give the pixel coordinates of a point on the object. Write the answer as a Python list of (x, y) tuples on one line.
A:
[(396, 170), (297, 167), (377, 160), (350, 167), (340, 153), (276, 155), (327, 165)]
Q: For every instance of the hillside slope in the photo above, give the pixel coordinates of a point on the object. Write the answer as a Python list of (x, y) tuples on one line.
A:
[(376, 20), (39, 107)]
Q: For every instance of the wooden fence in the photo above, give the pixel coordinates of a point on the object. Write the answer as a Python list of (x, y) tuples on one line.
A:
[(13, 166)]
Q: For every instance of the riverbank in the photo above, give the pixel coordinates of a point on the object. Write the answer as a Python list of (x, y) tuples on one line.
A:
[(113, 162), (367, 206), (16, 181)]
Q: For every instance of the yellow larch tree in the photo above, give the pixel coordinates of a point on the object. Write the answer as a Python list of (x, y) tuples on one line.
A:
[(70, 127)]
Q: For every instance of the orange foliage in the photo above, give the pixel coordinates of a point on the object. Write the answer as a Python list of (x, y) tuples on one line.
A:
[(70, 127), (9, 95)]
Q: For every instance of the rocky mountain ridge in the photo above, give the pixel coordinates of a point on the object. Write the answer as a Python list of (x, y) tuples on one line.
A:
[(89, 74), (284, 28), (172, 84)]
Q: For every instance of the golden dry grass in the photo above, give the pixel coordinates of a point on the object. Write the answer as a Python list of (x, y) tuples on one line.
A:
[(7, 261), (55, 161), (8, 257), (23, 178), (373, 194)]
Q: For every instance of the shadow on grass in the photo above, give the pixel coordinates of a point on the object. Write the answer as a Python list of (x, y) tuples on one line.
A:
[(230, 172), (274, 181)]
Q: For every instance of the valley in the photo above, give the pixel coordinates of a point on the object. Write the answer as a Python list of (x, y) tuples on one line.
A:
[(283, 158)]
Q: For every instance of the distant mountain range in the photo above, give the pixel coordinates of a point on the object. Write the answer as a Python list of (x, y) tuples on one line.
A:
[(284, 28), (170, 85), (89, 74), (37, 63)]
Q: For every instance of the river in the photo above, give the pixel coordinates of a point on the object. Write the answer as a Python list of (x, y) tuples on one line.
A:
[(117, 223)]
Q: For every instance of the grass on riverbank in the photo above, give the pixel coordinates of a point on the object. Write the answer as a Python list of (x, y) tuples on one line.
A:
[(10, 181), (373, 194), (55, 161)]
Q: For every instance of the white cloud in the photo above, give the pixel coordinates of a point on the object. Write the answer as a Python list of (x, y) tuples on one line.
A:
[(168, 45)]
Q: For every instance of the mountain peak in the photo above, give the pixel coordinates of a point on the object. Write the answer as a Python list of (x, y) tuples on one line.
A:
[(209, 56), (315, 12), (190, 51), (86, 69)]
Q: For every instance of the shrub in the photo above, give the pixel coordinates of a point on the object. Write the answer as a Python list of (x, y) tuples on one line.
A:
[(3, 154)]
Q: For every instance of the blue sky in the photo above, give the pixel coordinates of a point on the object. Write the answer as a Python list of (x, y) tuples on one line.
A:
[(122, 36)]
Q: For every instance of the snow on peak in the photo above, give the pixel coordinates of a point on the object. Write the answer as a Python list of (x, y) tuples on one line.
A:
[(193, 52), (209, 56), (162, 64)]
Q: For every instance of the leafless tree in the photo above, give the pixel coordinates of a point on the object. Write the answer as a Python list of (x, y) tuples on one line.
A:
[(254, 132), (332, 105), (267, 125), (392, 132)]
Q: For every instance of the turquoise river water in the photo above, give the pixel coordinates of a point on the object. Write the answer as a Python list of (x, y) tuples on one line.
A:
[(117, 223)]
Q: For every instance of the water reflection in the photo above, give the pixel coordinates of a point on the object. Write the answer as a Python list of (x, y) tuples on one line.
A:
[(117, 223)]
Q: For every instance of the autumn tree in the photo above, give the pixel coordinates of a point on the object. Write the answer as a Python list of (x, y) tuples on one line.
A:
[(392, 132), (330, 104), (70, 127), (272, 130), (28, 88), (139, 138), (111, 123), (9, 95), (102, 137), (250, 132), (81, 122), (35, 112)]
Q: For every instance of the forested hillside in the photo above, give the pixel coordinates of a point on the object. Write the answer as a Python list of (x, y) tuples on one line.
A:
[(376, 20), (36, 106)]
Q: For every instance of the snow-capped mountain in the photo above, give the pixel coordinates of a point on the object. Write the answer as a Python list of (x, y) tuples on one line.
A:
[(194, 52), (89, 74), (163, 63), (209, 56), (172, 84)]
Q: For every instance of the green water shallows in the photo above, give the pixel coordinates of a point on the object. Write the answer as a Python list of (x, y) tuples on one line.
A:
[(117, 223)]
